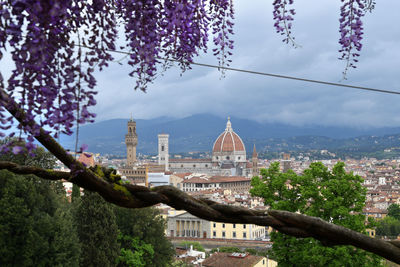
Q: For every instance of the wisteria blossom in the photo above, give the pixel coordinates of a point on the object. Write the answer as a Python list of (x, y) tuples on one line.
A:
[(57, 45)]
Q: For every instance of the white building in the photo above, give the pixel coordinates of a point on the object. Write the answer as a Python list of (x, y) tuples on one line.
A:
[(228, 157)]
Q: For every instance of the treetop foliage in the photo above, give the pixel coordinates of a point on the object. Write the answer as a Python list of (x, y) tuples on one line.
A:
[(394, 211), (333, 195)]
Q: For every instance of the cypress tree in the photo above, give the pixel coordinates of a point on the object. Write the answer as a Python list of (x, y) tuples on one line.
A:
[(97, 230)]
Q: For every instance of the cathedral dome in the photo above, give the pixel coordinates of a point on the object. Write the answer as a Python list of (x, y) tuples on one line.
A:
[(228, 141)]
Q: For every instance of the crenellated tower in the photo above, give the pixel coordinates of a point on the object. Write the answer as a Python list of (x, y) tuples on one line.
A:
[(131, 141)]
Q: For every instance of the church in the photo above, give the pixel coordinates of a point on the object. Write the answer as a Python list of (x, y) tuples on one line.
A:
[(228, 157)]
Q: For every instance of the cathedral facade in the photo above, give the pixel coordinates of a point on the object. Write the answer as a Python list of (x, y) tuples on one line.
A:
[(228, 158)]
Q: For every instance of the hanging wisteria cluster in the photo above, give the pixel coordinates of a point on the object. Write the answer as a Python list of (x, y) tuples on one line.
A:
[(57, 45), (283, 17), (53, 78), (351, 31)]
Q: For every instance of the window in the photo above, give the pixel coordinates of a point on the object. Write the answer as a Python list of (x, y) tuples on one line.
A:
[(234, 225), (194, 165), (244, 234), (234, 234), (162, 148), (244, 226), (181, 165), (223, 225), (214, 234), (215, 225), (223, 234)]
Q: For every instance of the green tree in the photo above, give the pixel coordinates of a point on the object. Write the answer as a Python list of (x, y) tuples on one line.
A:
[(36, 227), (389, 227), (97, 230), (148, 226), (394, 211), (196, 245), (335, 196), (227, 249), (76, 193), (134, 252)]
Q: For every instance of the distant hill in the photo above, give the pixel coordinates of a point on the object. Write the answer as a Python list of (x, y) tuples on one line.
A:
[(198, 133)]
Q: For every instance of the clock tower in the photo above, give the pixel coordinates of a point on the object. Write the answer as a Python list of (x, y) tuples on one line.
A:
[(131, 140)]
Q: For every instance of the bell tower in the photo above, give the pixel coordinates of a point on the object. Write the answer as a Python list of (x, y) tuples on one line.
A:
[(254, 161), (131, 140), (163, 154)]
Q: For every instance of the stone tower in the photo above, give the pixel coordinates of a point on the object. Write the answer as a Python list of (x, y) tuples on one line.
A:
[(254, 161), (131, 140), (163, 155), (286, 162)]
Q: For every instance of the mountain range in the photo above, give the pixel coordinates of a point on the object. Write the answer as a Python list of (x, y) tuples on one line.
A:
[(198, 133)]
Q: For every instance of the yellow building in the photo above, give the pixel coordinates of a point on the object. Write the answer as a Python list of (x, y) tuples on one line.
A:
[(237, 231), (184, 224), (371, 232)]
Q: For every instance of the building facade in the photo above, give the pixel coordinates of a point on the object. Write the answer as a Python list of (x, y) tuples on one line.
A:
[(237, 184), (228, 157), (184, 224)]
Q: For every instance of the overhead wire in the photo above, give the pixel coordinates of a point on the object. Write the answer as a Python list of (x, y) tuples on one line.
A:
[(267, 74)]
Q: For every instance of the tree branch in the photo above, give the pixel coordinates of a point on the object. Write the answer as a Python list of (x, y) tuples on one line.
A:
[(134, 196), (290, 223)]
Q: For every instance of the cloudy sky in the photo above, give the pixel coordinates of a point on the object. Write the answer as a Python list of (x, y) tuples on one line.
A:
[(266, 99)]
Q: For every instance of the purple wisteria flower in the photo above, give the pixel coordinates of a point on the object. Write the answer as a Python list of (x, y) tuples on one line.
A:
[(57, 45), (351, 32)]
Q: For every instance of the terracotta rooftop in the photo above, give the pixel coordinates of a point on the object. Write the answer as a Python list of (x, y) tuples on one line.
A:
[(183, 174), (217, 179), (196, 180), (87, 159), (190, 160), (228, 141), (220, 259)]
